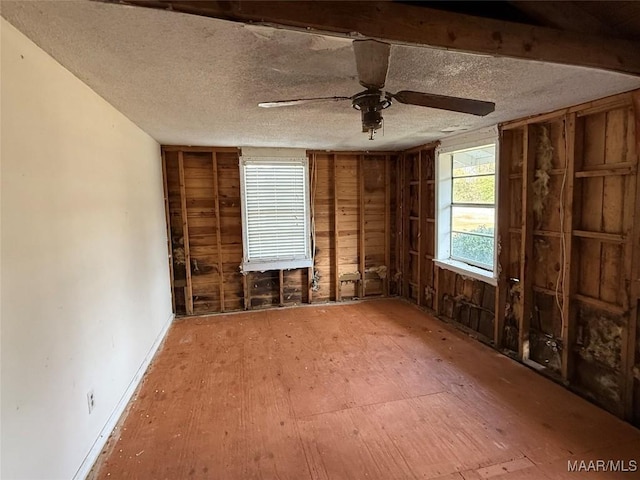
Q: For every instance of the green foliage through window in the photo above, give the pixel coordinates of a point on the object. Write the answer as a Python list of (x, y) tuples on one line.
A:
[(476, 248)]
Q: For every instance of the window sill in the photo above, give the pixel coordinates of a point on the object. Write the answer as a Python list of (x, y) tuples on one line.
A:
[(467, 270), (258, 266)]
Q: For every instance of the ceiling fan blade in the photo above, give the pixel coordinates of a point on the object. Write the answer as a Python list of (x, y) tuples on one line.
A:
[(455, 104), (299, 101), (372, 62)]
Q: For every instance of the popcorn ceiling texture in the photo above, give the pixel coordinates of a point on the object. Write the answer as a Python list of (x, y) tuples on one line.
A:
[(193, 80)]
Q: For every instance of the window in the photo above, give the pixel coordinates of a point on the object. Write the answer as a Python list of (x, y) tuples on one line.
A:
[(275, 213), (466, 215)]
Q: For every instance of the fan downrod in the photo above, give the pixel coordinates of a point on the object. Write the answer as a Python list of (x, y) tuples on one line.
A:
[(371, 103)]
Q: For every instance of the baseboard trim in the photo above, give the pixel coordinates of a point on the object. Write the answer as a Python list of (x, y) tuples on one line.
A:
[(98, 445)]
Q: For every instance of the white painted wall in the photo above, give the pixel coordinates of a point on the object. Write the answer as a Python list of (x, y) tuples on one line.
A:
[(85, 282)]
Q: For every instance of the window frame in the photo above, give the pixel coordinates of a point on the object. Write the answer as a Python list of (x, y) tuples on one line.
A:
[(445, 204), (276, 263)]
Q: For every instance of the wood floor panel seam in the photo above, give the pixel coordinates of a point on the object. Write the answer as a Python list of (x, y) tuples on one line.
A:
[(375, 404)]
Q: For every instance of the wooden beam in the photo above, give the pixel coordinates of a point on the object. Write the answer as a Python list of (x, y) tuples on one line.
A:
[(191, 148), (417, 25), (437, 302), (246, 290), (628, 355), (630, 358), (421, 214), (352, 152), (167, 214), (336, 231), (399, 225), (628, 166), (281, 286), (570, 257), (544, 233), (406, 213), (600, 304), (620, 100), (185, 237), (424, 146), (504, 236), (526, 251), (216, 197), (602, 236), (361, 234), (387, 223), (314, 182), (601, 172), (565, 16)]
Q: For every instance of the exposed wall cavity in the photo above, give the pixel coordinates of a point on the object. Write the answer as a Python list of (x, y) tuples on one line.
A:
[(512, 315), (544, 161), (599, 337), (352, 208)]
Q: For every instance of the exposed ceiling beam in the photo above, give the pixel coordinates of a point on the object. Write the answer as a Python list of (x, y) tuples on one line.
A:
[(415, 25), (565, 16)]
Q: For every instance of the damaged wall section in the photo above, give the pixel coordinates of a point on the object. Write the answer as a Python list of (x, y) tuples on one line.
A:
[(353, 208), (566, 295), (470, 303), (568, 248)]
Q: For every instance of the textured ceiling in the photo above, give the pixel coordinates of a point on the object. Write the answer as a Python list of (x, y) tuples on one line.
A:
[(196, 81)]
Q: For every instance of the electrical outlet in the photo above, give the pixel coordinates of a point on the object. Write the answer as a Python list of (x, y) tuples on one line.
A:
[(91, 400)]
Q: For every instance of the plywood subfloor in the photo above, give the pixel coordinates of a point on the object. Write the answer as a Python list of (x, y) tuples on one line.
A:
[(373, 390)]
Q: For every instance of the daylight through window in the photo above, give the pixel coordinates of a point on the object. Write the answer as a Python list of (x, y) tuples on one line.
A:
[(466, 199), (473, 206)]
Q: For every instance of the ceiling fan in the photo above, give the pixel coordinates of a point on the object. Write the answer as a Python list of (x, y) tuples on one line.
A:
[(372, 62)]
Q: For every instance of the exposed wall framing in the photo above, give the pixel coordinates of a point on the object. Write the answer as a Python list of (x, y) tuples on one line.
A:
[(568, 293), (571, 197), (468, 302), (353, 206), (569, 250)]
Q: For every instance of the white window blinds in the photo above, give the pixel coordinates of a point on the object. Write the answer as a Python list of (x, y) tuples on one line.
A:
[(275, 201)]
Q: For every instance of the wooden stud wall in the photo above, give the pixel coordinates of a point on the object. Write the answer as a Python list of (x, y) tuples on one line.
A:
[(468, 302), (353, 212), (572, 310), (568, 230)]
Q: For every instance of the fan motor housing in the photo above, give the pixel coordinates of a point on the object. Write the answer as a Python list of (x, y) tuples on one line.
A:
[(371, 103)]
